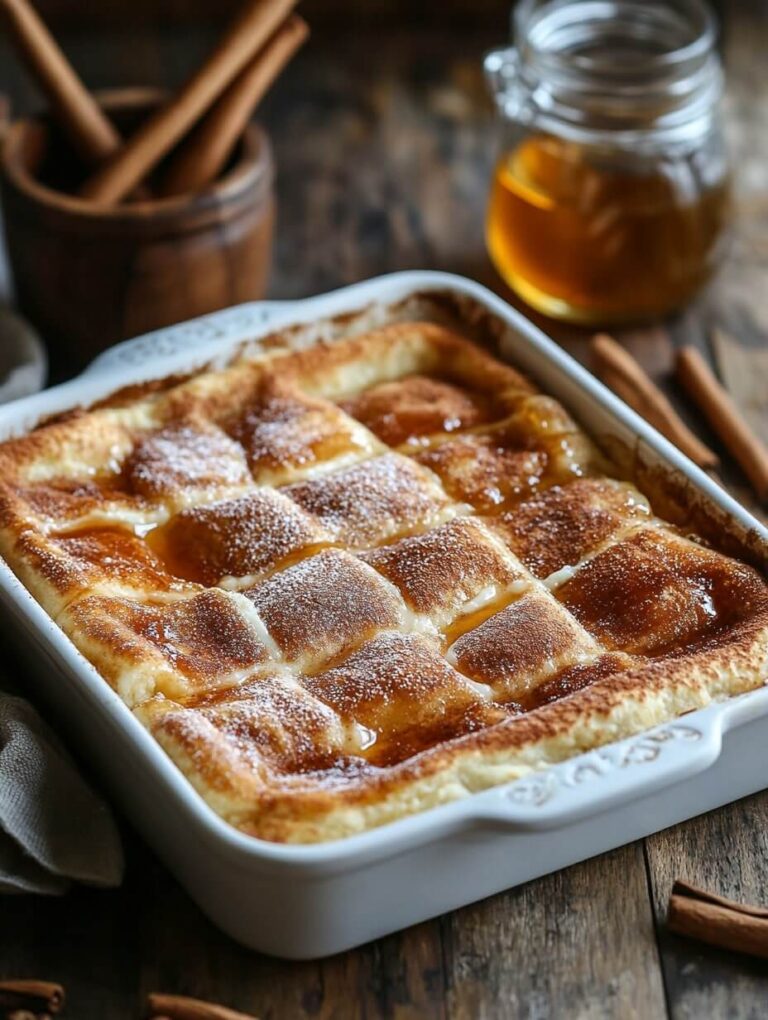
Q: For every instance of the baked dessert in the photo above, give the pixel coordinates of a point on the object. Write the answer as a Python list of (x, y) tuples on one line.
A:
[(343, 584)]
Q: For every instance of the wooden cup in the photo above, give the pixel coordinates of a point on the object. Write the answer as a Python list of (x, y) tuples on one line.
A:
[(88, 277)]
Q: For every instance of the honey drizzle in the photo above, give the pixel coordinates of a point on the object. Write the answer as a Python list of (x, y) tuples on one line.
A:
[(471, 620), (187, 571)]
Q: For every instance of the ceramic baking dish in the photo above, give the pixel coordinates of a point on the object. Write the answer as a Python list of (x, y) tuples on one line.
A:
[(309, 901)]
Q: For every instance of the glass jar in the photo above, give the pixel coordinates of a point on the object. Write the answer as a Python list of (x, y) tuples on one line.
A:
[(611, 193)]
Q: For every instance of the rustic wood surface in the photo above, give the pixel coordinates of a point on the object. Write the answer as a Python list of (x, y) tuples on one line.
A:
[(384, 143)]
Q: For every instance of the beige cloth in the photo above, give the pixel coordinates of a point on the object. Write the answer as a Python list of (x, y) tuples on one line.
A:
[(53, 829)]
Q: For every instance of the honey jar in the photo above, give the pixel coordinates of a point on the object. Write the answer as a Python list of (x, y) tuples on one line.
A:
[(610, 196)]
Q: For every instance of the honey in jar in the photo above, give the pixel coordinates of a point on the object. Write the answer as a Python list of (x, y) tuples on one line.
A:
[(611, 194)]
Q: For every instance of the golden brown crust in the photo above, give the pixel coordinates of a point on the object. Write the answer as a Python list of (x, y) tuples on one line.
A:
[(351, 582), (324, 605), (560, 526), (440, 571), (378, 499)]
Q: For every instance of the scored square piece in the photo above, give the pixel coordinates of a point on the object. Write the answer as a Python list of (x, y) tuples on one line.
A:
[(456, 568), (179, 461), (524, 644), (110, 560), (376, 500), (405, 695), (655, 594), (238, 540), (269, 722), (174, 648), (325, 604), (561, 526), (407, 410), (480, 469), (288, 434)]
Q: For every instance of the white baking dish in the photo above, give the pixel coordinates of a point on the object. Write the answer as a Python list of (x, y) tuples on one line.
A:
[(308, 901)]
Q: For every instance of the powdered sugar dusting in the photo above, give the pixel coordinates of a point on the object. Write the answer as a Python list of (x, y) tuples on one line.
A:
[(185, 456), (241, 537), (374, 500), (447, 568), (289, 430), (325, 603)]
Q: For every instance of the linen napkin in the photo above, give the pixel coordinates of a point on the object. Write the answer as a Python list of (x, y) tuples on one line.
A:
[(53, 828)]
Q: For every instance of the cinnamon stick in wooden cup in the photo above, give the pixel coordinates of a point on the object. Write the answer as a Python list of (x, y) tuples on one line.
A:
[(258, 20), (202, 156), (150, 264), (619, 370), (89, 130), (698, 380)]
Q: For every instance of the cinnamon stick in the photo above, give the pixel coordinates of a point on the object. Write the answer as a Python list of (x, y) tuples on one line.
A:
[(619, 370), (181, 1007), (698, 380), (258, 20), (31, 995), (718, 921), (202, 156), (90, 132)]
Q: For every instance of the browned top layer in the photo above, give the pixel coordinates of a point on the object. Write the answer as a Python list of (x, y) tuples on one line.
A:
[(238, 537), (406, 696), (654, 593), (523, 644), (198, 643), (184, 456), (563, 524), (443, 569), (346, 583), (325, 604), (373, 501), (284, 430), (404, 411)]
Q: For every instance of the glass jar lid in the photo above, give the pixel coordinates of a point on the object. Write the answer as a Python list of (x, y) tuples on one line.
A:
[(634, 71)]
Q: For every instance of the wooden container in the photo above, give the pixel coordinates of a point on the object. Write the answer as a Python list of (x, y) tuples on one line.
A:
[(89, 277)]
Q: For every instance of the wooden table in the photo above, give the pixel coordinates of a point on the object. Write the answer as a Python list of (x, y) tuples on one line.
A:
[(384, 141)]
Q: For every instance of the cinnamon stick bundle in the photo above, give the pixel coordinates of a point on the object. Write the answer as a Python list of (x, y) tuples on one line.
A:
[(181, 1007), (258, 20), (31, 996), (718, 921), (202, 156), (626, 377), (700, 383)]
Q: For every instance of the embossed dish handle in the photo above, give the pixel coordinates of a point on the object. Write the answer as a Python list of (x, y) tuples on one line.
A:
[(188, 342), (618, 773)]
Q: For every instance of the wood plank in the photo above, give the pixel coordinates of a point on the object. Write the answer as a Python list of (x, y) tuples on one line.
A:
[(579, 943), (399, 976), (725, 851)]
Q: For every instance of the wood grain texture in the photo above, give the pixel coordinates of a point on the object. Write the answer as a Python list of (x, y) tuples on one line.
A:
[(579, 943), (385, 142)]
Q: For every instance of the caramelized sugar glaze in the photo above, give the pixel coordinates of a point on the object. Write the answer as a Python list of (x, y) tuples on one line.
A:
[(344, 584)]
